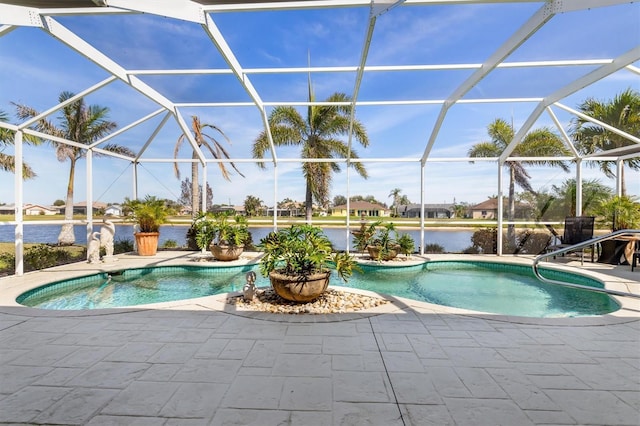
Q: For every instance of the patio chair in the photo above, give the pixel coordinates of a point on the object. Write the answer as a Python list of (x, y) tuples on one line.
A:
[(577, 229), (636, 256)]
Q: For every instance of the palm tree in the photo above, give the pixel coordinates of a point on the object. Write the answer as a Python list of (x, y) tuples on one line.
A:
[(217, 151), (623, 113), (252, 205), (395, 193), (7, 162), (537, 143), (460, 210), (593, 194), (317, 135), (79, 123)]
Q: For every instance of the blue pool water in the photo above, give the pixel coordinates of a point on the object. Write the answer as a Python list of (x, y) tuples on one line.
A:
[(479, 286)]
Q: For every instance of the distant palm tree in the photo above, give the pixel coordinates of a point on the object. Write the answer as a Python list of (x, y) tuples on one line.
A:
[(623, 113), (79, 123), (460, 210), (593, 194), (317, 135), (7, 161), (395, 193), (537, 143), (216, 149)]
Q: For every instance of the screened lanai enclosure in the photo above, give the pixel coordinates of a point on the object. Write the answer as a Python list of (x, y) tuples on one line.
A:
[(424, 79)]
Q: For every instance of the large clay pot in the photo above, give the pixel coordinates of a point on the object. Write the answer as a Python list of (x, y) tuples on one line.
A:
[(374, 253), (226, 252), (147, 243), (299, 288)]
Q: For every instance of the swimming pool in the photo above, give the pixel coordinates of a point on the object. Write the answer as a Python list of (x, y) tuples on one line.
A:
[(480, 286)]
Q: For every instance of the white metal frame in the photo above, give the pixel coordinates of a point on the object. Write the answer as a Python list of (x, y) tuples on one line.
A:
[(13, 16)]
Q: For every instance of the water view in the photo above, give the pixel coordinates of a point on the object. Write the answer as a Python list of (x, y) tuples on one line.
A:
[(451, 240)]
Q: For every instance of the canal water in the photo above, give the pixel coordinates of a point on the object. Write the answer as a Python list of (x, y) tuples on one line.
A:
[(451, 240)]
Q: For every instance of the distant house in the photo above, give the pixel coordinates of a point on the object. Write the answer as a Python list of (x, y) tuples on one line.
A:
[(37, 210), (358, 208), (287, 209), (431, 211), (8, 209), (489, 210), (81, 207), (30, 210), (222, 209), (113, 210)]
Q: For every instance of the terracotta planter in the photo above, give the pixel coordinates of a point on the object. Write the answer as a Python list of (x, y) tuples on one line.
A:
[(225, 252), (299, 288), (147, 243), (374, 253)]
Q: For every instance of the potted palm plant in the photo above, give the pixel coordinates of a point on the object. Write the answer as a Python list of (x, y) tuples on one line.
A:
[(148, 214), (297, 260), (382, 241), (224, 235)]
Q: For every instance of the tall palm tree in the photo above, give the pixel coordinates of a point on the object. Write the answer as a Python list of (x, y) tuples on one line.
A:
[(395, 193), (317, 136), (623, 113), (79, 123), (537, 143), (7, 161), (215, 148)]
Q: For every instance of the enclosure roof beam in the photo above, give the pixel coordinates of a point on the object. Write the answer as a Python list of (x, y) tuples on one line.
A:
[(185, 10), (578, 84), (69, 101), (127, 127), (369, 68), (19, 15), (94, 55), (599, 123), (223, 47), (153, 136), (533, 24)]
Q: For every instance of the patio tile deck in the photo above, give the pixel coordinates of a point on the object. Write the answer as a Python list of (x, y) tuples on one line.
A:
[(412, 366)]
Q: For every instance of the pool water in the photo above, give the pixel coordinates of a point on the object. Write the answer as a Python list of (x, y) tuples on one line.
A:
[(479, 286)]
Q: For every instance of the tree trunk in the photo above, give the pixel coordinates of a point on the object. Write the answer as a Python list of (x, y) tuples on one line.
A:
[(308, 203), (66, 236), (195, 207), (623, 186)]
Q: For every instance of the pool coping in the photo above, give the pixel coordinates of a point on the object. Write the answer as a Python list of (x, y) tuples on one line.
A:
[(11, 287)]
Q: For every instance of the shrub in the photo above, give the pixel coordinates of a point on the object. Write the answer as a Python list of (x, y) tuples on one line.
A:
[(122, 246), (485, 240), (44, 256), (170, 244), (433, 248), (527, 242), (7, 264), (532, 242)]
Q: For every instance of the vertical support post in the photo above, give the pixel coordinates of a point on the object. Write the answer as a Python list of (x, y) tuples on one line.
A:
[(134, 196), (89, 195), (203, 200), (422, 189), (19, 206), (348, 231), (275, 196), (619, 174), (500, 209), (135, 181), (579, 187)]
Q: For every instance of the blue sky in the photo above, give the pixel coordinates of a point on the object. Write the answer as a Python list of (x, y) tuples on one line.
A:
[(36, 68)]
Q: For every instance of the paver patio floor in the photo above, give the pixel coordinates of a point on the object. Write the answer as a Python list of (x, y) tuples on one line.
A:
[(410, 367), (204, 367)]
